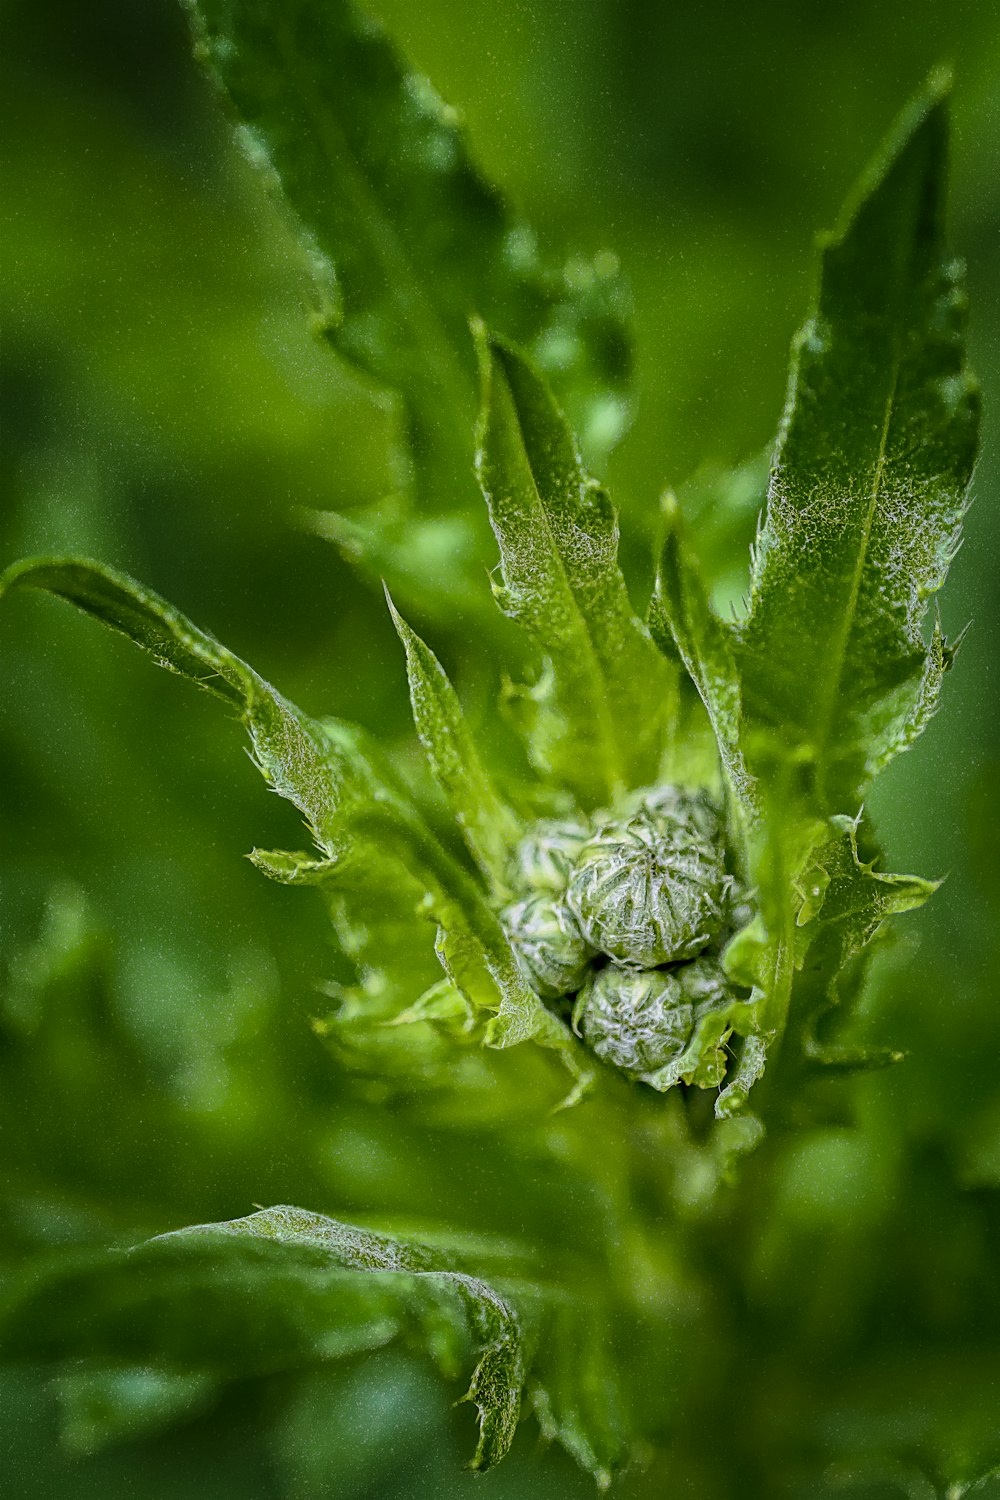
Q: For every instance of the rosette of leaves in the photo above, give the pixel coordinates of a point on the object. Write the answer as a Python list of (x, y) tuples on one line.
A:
[(779, 719)]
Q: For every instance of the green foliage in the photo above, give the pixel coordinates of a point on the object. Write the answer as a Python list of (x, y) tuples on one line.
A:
[(662, 880), (868, 486), (594, 721), (407, 242), (164, 1323), (365, 829), (310, 1299)]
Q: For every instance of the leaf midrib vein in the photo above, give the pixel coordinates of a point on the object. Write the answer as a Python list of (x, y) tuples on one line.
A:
[(829, 701), (606, 734)]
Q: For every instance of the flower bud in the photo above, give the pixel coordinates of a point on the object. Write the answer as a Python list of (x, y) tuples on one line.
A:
[(668, 804), (548, 945), (640, 1020), (545, 856), (652, 889)]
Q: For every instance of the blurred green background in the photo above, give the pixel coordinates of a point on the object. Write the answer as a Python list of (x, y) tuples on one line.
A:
[(165, 409)]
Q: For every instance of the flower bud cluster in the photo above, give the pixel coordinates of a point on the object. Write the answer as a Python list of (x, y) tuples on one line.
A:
[(651, 889), (627, 914)]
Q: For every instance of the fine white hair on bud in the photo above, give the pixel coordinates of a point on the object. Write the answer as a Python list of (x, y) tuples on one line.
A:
[(548, 944), (651, 888), (638, 1020)]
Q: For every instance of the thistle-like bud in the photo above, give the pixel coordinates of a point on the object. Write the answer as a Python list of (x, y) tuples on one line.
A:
[(667, 804), (640, 1020), (548, 945), (545, 856), (651, 889)]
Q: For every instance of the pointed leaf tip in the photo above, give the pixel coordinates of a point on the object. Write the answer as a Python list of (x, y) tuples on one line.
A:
[(394, 614)]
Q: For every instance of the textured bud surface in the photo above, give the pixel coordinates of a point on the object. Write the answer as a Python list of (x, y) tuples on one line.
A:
[(652, 889), (548, 945), (670, 805), (545, 856), (640, 1021)]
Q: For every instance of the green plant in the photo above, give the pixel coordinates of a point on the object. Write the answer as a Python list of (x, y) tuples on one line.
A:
[(672, 891)]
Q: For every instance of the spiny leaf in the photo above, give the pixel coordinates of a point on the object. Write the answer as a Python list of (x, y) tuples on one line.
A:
[(326, 768), (848, 899), (740, 1080), (456, 903), (274, 1291), (358, 816), (817, 940), (284, 1288), (488, 825), (868, 487), (595, 721), (844, 904), (472, 946), (169, 637), (405, 238)]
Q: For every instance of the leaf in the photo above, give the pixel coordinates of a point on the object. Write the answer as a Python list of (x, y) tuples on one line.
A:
[(848, 899), (364, 828), (327, 769), (596, 719), (574, 1390), (275, 1291), (454, 901), (444, 1004), (405, 238), (299, 760), (749, 1070), (124, 605), (844, 904), (869, 480), (488, 825), (823, 907), (574, 1386), (498, 1377), (680, 614), (476, 945), (704, 1060)]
